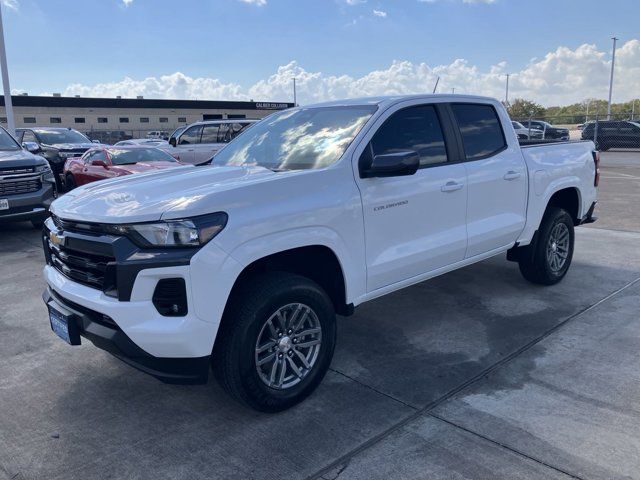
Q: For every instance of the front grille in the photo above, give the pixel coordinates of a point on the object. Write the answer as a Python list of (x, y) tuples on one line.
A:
[(16, 170), (86, 268), (17, 186), (71, 226)]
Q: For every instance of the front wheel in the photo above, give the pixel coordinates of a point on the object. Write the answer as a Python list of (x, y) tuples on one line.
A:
[(276, 341), (548, 260)]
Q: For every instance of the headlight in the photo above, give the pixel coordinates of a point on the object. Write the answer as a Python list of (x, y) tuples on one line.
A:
[(188, 232), (43, 168)]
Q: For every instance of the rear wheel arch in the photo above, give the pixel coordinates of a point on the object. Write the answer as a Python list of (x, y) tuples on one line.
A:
[(568, 199)]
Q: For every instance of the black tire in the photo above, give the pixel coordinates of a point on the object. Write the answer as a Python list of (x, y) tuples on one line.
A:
[(534, 262), (234, 355), (69, 182)]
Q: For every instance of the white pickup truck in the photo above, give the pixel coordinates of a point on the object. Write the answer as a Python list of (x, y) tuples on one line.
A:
[(241, 266)]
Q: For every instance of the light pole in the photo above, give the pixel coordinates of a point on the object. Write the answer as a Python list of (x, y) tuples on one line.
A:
[(453, 90), (5, 81), (435, 87), (613, 64), (295, 98), (633, 110), (506, 96)]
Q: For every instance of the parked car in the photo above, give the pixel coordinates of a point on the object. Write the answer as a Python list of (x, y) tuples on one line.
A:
[(613, 134), (549, 132), (200, 141), (525, 133), (159, 134), (175, 134), (108, 137), (243, 265), (56, 145), (111, 162), (27, 186)]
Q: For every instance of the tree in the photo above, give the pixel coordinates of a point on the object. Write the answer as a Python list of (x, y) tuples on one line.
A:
[(523, 109)]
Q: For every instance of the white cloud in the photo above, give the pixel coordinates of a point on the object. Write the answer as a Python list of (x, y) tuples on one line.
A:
[(127, 2), (560, 77), (259, 3), (13, 4), (354, 2), (380, 13)]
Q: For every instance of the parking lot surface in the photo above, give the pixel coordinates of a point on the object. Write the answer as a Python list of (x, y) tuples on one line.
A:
[(474, 374)]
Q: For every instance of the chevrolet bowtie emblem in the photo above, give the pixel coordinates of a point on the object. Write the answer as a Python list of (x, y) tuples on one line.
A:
[(56, 239)]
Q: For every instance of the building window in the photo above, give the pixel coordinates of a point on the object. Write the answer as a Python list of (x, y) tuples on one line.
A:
[(144, 119), (212, 116), (79, 120), (182, 119), (236, 116), (124, 120), (29, 119), (55, 120), (164, 120), (3, 119), (102, 120)]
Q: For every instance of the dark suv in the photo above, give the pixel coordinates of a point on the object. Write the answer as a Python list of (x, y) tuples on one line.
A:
[(613, 134), (27, 186), (549, 132), (54, 144)]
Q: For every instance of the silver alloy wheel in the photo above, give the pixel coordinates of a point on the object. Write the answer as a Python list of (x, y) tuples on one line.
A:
[(288, 345), (558, 247)]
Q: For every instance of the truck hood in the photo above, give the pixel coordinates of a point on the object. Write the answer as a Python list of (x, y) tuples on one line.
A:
[(179, 192), (75, 146), (19, 158)]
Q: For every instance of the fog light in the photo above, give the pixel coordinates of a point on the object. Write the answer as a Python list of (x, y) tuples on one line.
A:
[(170, 297)]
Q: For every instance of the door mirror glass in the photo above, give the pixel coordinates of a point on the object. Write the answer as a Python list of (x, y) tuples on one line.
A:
[(172, 141), (32, 147), (395, 164)]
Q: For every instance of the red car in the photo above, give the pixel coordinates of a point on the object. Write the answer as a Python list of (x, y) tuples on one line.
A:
[(109, 162)]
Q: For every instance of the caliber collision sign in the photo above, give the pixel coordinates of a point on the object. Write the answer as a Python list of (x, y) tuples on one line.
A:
[(271, 106)]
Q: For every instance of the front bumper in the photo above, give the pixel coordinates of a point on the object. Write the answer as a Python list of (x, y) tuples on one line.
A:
[(105, 334), (29, 206)]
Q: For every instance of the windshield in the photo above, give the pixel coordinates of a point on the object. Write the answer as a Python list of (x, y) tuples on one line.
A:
[(51, 137), (136, 155), (7, 142), (297, 139)]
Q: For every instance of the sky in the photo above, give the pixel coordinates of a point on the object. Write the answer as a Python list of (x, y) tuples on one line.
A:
[(556, 51)]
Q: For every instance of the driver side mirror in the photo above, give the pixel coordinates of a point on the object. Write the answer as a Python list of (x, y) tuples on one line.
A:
[(32, 147), (99, 163), (395, 164), (172, 141)]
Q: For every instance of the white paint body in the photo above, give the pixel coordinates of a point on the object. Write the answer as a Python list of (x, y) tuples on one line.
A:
[(497, 203)]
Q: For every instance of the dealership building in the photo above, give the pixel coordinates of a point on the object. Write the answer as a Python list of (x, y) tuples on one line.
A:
[(127, 114)]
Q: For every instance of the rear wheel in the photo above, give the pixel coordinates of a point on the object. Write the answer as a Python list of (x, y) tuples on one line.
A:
[(276, 341), (548, 260)]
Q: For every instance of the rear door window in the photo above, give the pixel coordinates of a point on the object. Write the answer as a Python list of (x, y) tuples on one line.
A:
[(481, 130)]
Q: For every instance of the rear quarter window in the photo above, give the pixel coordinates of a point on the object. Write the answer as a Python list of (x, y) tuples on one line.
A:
[(481, 130)]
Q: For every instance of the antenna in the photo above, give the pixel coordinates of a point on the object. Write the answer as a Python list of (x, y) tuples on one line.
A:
[(435, 87)]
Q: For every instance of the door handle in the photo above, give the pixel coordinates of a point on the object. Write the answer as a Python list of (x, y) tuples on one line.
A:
[(451, 186), (511, 175)]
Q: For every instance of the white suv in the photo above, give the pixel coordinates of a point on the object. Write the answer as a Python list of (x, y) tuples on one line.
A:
[(201, 141)]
